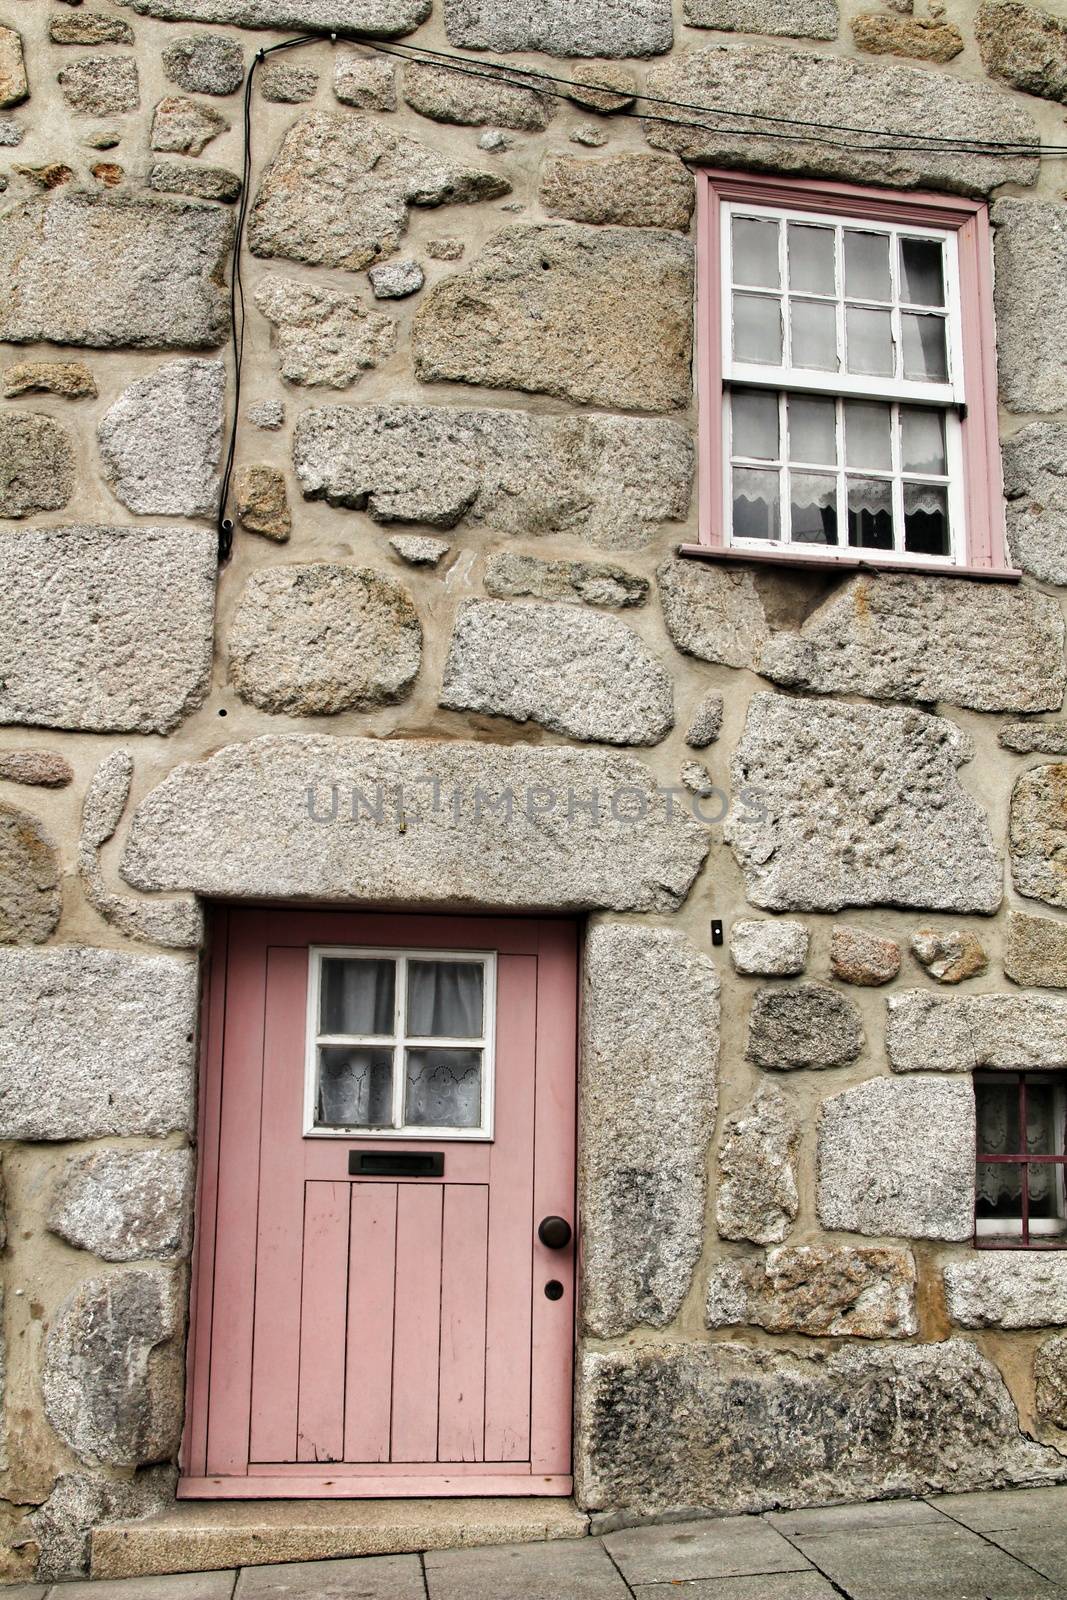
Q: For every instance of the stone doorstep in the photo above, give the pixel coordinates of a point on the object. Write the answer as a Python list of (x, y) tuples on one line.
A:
[(209, 1535)]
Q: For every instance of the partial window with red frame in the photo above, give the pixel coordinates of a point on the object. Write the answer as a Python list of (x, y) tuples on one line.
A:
[(847, 377), (1021, 1120)]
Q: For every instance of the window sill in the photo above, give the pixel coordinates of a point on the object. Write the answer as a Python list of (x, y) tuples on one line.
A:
[(707, 552), (1002, 1242)]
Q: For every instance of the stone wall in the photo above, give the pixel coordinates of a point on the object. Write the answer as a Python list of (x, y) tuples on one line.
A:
[(465, 459)]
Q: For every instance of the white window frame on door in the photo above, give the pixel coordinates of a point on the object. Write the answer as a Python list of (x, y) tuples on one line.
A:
[(399, 1041)]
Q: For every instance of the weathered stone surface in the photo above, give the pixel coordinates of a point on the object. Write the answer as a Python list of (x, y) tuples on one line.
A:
[(598, 316), (337, 193), (288, 85), (317, 639), (756, 1197), (10, 133), (594, 583), (1039, 833), (101, 85), (262, 503), (559, 28), (96, 1043), (366, 82), (1025, 47), (81, 1501), (960, 1034), (697, 779), (1008, 1289), (102, 139), (395, 280), (712, 612), (202, 183), (950, 956), (896, 1156), (205, 63), (588, 133), (72, 379), (857, 805), (639, 191), (88, 27), (903, 637), (40, 767), (112, 1370), (1035, 483), (1035, 738), (36, 464), (185, 126), (807, 1025), (324, 336), (576, 673), (268, 414), (1030, 251), (705, 724), (733, 1428), (30, 899), (247, 817), (763, 949), (806, 87), (611, 480), (74, 648), (475, 99), (650, 1025), (797, 19), (113, 269), (384, 19), (604, 87), (14, 84), (160, 442), (924, 38), (445, 249), (419, 550), (1036, 951), (125, 1205), (49, 176), (835, 1291), (1050, 1380), (863, 958)]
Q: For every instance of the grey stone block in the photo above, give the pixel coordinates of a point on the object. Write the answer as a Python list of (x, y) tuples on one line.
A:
[(96, 1043), (760, 948), (1036, 951), (1050, 1380), (1025, 47), (74, 650), (579, 1569), (679, 1552), (824, 1291), (1035, 738), (88, 27), (475, 99), (419, 550), (395, 280), (808, 19), (592, 583), (160, 441), (324, 336), (705, 724), (36, 464), (100, 86), (712, 612), (963, 1033), (871, 1514), (368, 83), (205, 63), (366, 1578), (611, 28), (384, 19), (862, 958), (185, 125), (1008, 1289), (651, 1046), (201, 183), (1030, 254), (805, 1025), (637, 191), (1036, 833), (30, 895), (288, 85), (756, 1198), (126, 1205), (1035, 482)]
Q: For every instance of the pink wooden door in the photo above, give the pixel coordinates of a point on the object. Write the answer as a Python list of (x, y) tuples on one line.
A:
[(387, 1116)]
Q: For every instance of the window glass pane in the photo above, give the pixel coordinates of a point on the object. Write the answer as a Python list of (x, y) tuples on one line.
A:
[(997, 1107), (811, 258), (867, 275), (870, 513), (869, 341), (926, 530), (922, 280), (812, 430), (925, 349), (1040, 1112), (356, 996), (758, 329), (1000, 1189), (867, 435), (444, 1089), (754, 419), (756, 509), (813, 508), (756, 252), (445, 999), (355, 1087), (813, 332), (923, 440)]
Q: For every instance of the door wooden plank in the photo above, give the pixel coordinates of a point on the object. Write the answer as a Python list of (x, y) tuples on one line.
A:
[(417, 1323), (323, 1315), (371, 1278), (464, 1243)]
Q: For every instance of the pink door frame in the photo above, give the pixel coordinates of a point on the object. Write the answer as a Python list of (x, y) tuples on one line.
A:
[(529, 1339)]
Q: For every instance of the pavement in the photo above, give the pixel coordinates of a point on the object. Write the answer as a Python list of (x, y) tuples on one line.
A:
[(1007, 1545)]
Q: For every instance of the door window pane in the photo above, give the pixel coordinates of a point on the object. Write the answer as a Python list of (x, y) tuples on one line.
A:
[(813, 507), (813, 333), (445, 999), (926, 519), (355, 1088), (923, 440), (444, 1088), (756, 504), (758, 329), (868, 442), (922, 279), (870, 513), (869, 341), (754, 415), (811, 259), (812, 430), (867, 275), (756, 253), (925, 349), (357, 996)]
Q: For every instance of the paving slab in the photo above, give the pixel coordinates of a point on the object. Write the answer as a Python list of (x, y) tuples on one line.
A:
[(368, 1578), (677, 1551), (578, 1571), (1004, 1508), (184, 1586), (1041, 1547), (936, 1561), (844, 1519), (25, 1591), (764, 1586)]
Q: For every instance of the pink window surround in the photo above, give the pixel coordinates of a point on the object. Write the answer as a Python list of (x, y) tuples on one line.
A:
[(986, 552)]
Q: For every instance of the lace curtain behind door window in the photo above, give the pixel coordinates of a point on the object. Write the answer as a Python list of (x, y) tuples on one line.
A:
[(1000, 1183)]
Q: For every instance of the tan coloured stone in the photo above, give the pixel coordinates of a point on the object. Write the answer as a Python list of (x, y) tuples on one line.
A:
[(859, 957), (594, 583), (1036, 953), (1050, 1380), (605, 88), (950, 957), (262, 502), (101, 85), (53, 175), (824, 1291), (369, 83), (756, 1198), (712, 612), (475, 98), (1024, 46), (30, 898), (1039, 833), (110, 174), (324, 336), (39, 767), (71, 379), (88, 27), (797, 19), (185, 125), (36, 464), (14, 84), (639, 191), (922, 38)]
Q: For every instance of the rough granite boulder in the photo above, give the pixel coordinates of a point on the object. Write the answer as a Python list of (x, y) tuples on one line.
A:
[(323, 335), (322, 638), (1035, 483), (896, 1156), (514, 827), (950, 955), (650, 1030), (1036, 951), (797, 19), (1024, 46), (476, 99), (705, 724), (338, 192), (74, 648), (88, 27), (509, 575), (841, 805), (862, 958), (610, 480), (756, 1198), (805, 1025), (1050, 1380), (261, 500), (962, 1033), (384, 19), (111, 269), (38, 767), (395, 280), (638, 191), (760, 948), (125, 1205), (824, 1291), (799, 85), (30, 895), (902, 637), (285, 84), (205, 63), (14, 84), (922, 38), (101, 86), (161, 440), (36, 464), (561, 28), (712, 612), (1030, 298), (185, 126), (81, 1501), (598, 316), (1038, 833), (1034, 738), (71, 379), (369, 83), (577, 673), (1008, 1289), (201, 183)]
